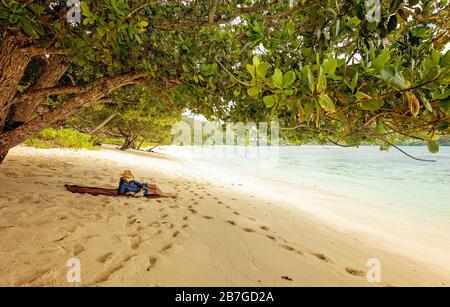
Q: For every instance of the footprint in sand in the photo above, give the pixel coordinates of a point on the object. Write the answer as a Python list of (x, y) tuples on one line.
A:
[(166, 248), (60, 239), (232, 223), (77, 249), (291, 249), (131, 222), (185, 218), (264, 228), (193, 211), (271, 237), (355, 272), (151, 262), (114, 264), (322, 257), (135, 242), (208, 217), (155, 224), (175, 234), (248, 230), (30, 277), (103, 258), (286, 278)]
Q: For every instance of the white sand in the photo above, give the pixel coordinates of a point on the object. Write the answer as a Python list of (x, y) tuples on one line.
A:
[(216, 233)]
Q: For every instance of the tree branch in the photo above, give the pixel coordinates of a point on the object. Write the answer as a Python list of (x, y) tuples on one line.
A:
[(212, 11), (405, 153), (33, 51)]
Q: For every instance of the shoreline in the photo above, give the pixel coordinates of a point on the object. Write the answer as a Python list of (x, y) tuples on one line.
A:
[(214, 233), (398, 230)]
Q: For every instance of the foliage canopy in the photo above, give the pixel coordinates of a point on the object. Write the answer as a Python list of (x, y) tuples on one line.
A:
[(322, 68)]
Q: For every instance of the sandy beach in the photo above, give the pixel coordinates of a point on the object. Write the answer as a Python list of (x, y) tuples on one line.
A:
[(215, 233)]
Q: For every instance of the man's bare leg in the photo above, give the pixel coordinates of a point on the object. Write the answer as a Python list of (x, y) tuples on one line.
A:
[(154, 190)]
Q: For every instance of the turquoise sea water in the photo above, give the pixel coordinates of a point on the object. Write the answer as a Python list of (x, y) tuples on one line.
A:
[(364, 173)]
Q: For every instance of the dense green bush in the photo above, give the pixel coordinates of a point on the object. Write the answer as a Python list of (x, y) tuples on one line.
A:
[(63, 138)]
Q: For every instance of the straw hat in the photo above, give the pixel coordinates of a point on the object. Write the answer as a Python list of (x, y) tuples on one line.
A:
[(127, 175)]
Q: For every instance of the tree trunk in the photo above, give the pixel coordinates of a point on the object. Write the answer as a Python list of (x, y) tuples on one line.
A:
[(103, 124), (13, 62), (129, 141), (100, 88), (54, 69), (138, 147)]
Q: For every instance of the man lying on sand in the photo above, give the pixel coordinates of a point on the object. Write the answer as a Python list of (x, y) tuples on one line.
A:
[(128, 186)]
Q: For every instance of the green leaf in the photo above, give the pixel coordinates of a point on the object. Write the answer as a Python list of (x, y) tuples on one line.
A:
[(29, 29), (394, 78), (253, 91), (353, 22), (371, 104), (277, 79), (426, 103), (326, 103), (251, 70), (433, 146), (288, 79), (269, 101), (38, 9), (310, 78), (256, 61), (329, 66), (367, 103), (354, 81), (381, 60), (321, 82), (445, 60), (85, 9), (261, 70), (443, 95)]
